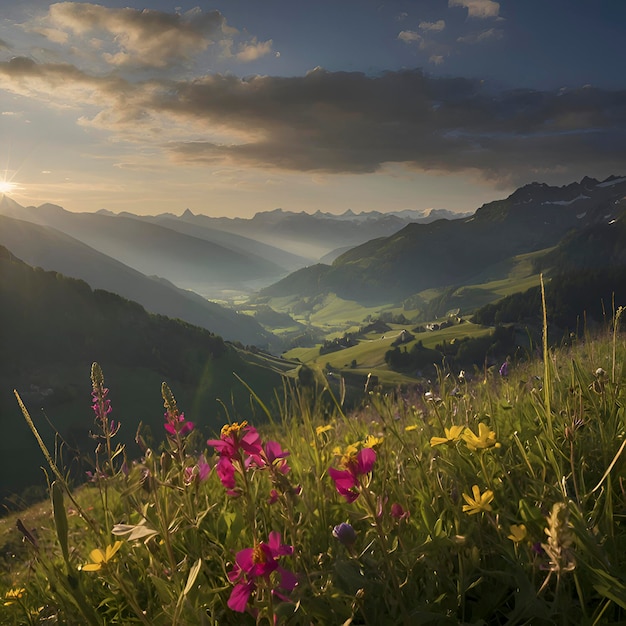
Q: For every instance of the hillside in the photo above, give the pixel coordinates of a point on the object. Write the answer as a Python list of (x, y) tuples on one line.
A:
[(53, 327), (55, 251), (204, 265), (588, 274), (451, 252)]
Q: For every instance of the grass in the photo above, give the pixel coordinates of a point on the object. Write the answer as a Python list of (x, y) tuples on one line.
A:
[(369, 353), (498, 500)]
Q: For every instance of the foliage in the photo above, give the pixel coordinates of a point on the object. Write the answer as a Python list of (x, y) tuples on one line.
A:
[(497, 501)]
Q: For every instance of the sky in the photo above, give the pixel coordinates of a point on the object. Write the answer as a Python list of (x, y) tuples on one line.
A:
[(240, 106)]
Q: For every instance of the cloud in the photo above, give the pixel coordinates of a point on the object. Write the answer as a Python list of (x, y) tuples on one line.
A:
[(480, 37), (146, 38), (253, 50), (347, 122), (481, 9), (409, 36), (436, 27)]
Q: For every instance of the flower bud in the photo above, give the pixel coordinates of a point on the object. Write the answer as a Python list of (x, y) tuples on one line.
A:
[(345, 534)]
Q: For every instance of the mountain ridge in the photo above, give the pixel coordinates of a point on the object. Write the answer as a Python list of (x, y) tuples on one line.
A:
[(446, 252)]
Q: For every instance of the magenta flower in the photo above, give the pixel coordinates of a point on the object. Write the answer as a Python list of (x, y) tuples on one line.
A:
[(272, 456), (226, 472), (252, 564), (235, 437), (398, 512), (239, 445), (347, 481), (177, 425), (198, 472)]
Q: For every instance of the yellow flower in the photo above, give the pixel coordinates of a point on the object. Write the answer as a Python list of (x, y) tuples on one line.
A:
[(518, 533), (230, 430), (349, 454), (323, 429), (371, 441), (13, 594), (100, 557), (485, 439), (453, 434), (479, 503), (410, 427)]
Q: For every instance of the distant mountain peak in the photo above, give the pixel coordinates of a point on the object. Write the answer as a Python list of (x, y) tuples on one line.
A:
[(187, 213)]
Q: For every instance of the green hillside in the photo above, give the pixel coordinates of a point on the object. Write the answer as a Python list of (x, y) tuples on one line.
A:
[(53, 327)]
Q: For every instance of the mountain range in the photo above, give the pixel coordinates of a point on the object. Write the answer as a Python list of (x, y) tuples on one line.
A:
[(454, 252), (50, 249)]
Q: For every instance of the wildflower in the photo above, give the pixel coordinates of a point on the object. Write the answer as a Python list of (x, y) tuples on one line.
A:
[(398, 512), (504, 369), (226, 472), (12, 595), (238, 444), (256, 563), (198, 472), (356, 464), (274, 496), (518, 533), (177, 425), (479, 503), (323, 429), (345, 534), (101, 557), (273, 456), (453, 434), (371, 441), (235, 437), (410, 427), (486, 438)]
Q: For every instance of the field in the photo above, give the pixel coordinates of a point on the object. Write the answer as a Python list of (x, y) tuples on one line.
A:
[(494, 500)]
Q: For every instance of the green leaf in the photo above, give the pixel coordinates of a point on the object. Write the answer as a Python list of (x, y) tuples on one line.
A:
[(193, 574)]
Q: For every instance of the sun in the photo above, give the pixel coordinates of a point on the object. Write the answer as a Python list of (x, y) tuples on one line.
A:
[(7, 186)]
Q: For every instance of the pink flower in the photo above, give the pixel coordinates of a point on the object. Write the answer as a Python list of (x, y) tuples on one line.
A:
[(198, 472), (259, 562), (239, 445), (347, 481), (226, 472), (235, 437), (398, 512), (176, 425), (272, 456)]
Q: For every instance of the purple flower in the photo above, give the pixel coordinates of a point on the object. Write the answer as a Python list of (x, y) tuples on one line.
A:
[(345, 534), (504, 369)]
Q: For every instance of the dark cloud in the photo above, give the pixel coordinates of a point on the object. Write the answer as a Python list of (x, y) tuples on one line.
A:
[(349, 122), (340, 122)]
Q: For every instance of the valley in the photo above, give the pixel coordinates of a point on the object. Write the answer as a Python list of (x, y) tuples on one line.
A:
[(393, 311)]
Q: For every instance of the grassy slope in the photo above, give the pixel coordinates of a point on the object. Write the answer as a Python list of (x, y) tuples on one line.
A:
[(482, 576)]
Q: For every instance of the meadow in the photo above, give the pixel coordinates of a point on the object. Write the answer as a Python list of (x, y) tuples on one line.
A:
[(486, 497)]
